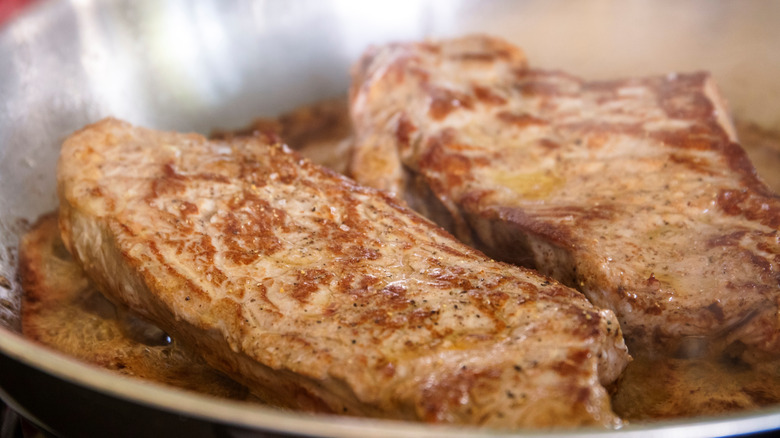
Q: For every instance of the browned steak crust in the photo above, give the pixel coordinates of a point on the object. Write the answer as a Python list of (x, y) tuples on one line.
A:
[(62, 310), (320, 294), (633, 191)]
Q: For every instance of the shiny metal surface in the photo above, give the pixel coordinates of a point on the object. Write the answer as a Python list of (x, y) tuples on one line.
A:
[(199, 65)]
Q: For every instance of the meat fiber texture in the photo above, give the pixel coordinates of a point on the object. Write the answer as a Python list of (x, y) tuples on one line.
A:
[(322, 295), (633, 191)]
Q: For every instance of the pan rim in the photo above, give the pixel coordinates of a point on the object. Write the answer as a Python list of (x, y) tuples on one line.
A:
[(267, 419)]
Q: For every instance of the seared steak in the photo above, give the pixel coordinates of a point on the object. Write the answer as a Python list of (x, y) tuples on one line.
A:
[(62, 310), (633, 191), (323, 295)]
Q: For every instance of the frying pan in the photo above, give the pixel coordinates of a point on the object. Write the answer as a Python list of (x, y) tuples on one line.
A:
[(200, 65)]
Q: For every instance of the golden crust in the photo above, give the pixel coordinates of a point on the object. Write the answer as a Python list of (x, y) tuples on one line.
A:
[(62, 310), (632, 191), (320, 294)]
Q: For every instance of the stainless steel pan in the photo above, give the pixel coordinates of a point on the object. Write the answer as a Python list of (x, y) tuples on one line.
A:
[(198, 65)]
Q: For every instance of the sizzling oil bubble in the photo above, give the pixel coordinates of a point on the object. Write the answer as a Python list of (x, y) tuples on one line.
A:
[(142, 331)]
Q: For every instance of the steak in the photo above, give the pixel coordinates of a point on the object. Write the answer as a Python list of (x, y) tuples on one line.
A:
[(633, 191), (320, 294), (62, 310)]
